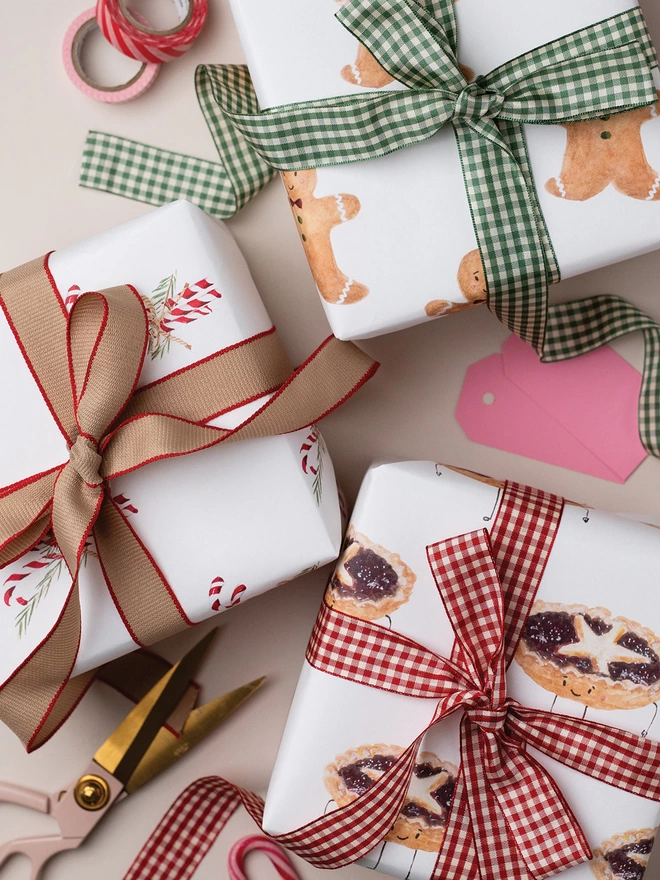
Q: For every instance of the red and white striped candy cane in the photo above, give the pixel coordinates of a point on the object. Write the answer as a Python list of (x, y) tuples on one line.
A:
[(257, 843)]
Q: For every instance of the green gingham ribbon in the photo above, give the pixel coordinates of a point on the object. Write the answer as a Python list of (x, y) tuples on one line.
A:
[(149, 174), (602, 69)]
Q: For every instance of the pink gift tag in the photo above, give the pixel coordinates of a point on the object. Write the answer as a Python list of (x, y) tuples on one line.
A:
[(579, 414)]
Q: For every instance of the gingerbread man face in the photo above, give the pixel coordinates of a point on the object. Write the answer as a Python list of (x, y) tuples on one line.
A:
[(299, 184), (472, 282)]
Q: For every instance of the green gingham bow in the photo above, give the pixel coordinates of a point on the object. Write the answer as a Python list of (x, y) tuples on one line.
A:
[(602, 69)]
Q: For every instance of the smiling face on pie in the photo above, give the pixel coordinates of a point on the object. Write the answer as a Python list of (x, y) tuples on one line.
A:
[(624, 856), (369, 581), (423, 818), (586, 654)]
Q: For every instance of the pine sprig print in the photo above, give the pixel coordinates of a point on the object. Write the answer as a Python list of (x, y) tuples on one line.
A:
[(46, 560), (314, 441), (167, 308)]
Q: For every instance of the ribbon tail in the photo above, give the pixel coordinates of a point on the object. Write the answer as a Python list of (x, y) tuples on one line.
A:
[(41, 694), (149, 174), (144, 599), (576, 328), (24, 514), (555, 841), (457, 859), (498, 854)]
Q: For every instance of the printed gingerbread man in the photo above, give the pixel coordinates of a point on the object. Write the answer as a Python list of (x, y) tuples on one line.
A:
[(605, 151), (315, 218), (367, 72), (472, 282)]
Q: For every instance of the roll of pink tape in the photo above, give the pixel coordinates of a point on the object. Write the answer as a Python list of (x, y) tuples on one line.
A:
[(129, 33), (72, 57)]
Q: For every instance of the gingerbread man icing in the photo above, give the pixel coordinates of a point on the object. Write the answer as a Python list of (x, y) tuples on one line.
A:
[(315, 219), (471, 280), (605, 151)]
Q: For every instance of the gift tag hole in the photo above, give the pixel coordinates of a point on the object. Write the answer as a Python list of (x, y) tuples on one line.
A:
[(488, 398)]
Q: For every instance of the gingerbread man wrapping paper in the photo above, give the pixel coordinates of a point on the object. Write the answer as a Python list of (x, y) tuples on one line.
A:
[(597, 181), (588, 648), (198, 515)]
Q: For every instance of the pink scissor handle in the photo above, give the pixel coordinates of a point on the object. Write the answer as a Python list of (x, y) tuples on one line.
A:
[(257, 843), (38, 850), (24, 797)]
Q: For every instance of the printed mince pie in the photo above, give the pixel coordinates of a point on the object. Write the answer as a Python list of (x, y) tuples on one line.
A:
[(421, 823), (369, 581), (586, 654), (624, 856)]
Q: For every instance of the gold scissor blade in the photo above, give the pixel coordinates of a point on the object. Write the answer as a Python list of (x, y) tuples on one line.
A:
[(167, 748), (121, 753)]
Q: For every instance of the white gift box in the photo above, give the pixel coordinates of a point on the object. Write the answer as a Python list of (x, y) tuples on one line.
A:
[(407, 238), (598, 560), (224, 524)]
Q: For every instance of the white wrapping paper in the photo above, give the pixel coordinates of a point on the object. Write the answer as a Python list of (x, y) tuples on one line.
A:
[(412, 228), (223, 524), (599, 560)]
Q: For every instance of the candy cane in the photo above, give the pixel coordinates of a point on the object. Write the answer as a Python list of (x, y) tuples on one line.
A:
[(257, 843)]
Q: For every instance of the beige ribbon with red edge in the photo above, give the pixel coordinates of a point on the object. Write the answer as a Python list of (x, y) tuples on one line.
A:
[(87, 366)]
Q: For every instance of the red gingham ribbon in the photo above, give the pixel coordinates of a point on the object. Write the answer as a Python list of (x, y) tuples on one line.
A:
[(508, 817)]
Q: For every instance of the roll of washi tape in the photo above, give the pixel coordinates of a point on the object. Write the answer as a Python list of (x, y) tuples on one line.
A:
[(257, 843), (134, 38), (74, 38)]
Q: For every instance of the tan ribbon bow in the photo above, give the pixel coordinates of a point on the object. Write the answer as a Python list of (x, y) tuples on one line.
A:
[(87, 366)]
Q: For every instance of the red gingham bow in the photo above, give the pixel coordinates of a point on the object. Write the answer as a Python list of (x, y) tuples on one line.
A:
[(508, 818)]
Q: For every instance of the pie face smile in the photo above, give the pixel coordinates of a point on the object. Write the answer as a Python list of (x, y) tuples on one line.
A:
[(369, 582), (421, 823), (588, 655)]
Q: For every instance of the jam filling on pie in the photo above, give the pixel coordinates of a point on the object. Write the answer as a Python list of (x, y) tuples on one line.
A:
[(549, 631), (372, 577), (357, 782), (354, 777), (622, 863)]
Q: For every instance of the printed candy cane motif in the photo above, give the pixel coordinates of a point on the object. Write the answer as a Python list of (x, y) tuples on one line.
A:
[(49, 563), (74, 293), (165, 308), (312, 440), (216, 588), (257, 843)]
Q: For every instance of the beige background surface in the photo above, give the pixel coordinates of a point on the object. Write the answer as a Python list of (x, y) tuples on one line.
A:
[(406, 412)]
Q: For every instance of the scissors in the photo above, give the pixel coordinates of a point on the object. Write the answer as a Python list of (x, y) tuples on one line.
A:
[(138, 750)]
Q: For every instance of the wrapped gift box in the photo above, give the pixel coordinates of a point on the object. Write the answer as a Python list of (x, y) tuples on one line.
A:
[(402, 246), (601, 569), (224, 524)]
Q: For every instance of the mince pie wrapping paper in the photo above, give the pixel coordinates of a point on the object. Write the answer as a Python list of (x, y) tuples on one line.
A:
[(222, 525), (589, 649), (390, 241)]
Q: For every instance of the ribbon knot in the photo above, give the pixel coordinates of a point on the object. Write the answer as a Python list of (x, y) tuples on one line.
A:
[(86, 461), (476, 102), (489, 719)]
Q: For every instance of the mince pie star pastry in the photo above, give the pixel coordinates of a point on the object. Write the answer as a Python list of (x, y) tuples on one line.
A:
[(624, 856), (423, 818), (369, 581), (586, 654)]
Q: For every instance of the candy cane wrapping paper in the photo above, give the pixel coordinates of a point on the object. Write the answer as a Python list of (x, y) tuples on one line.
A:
[(600, 572), (199, 515)]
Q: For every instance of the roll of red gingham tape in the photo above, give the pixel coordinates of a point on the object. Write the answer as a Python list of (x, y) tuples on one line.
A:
[(136, 39)]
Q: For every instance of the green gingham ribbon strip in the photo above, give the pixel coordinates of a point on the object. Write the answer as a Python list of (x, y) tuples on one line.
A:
[(602, 69), (149, 174)]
